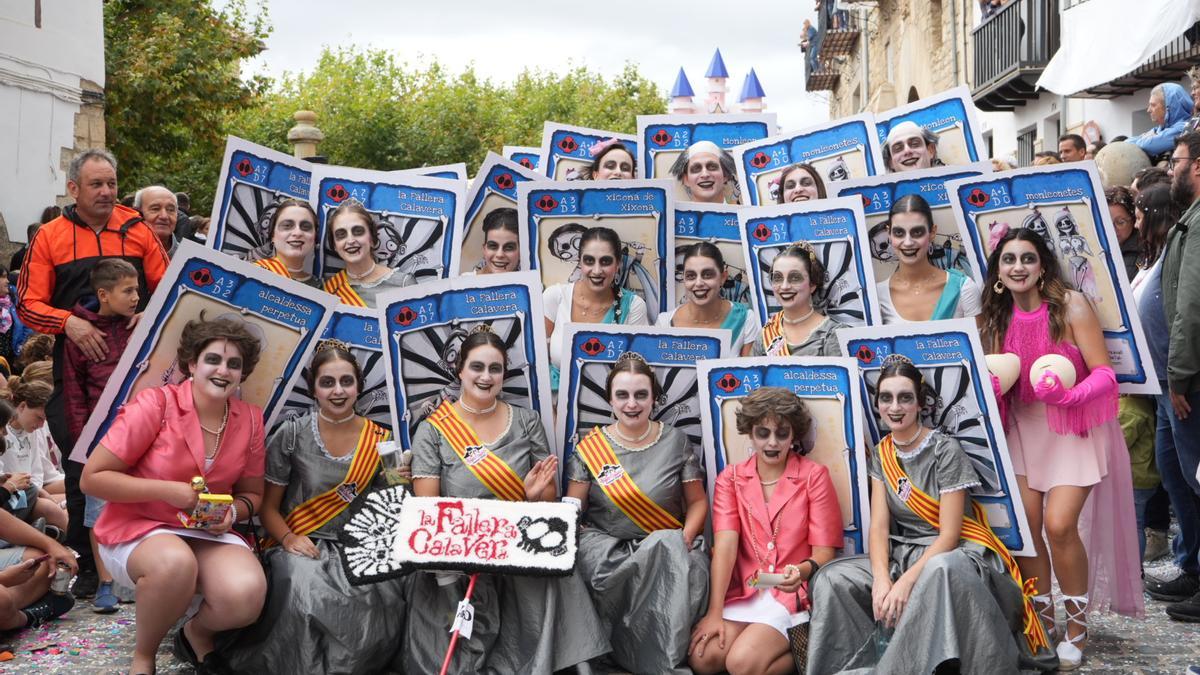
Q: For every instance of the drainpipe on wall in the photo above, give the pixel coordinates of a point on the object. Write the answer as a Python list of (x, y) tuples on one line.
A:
[(954, 36), (866, 37)]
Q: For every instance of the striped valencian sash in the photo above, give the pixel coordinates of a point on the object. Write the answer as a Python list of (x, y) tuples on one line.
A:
[(486, 465), (612, 478), (314, 513), (772, 333), (973, 529), (274, 265), (339, 285)]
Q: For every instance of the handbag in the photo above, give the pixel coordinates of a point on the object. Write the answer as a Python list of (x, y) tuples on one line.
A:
[(798, 641)]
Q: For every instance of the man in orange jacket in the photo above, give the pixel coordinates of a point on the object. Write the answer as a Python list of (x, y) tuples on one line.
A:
[(57, 274)]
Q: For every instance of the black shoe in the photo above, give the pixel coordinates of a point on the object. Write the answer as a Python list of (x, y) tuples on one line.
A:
[(51, 606), (1188, 610), (1178, 589), (85, 584), (183, 649)]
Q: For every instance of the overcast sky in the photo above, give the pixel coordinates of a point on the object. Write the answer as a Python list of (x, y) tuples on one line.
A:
[(502, 38)]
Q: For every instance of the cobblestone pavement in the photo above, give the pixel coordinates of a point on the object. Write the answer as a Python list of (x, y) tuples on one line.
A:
[(83, 642)]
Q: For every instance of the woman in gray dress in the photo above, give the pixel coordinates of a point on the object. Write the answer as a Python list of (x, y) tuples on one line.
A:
[(634, 549), (939, 590), (354, 236), (798, 329), (522, 624), (317, 464)]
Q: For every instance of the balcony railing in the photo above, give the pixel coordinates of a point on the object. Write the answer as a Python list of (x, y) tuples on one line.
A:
[(1168, 64), (840, 36), (1011, 49)]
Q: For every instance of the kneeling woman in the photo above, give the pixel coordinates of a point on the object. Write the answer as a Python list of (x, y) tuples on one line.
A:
[(640, 529), (522, 624), (146, 468), (315, 621), (775, 513), (936, 575)]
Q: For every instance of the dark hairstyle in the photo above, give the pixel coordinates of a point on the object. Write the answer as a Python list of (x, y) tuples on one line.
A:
[(1190, 139), (479, 338), (331, 351), (33, 393), (808, 168), (500, 219), (814, 268), (704, 249), (906, 369), (199, 333), (589, 172), (1159, 214), (997, 307), (779, 404), (6, 413), (30, 230), (1048, 154), (1118, 139), (1119, 195), (109, 271), (913, 203), (48, 214), (352, 206), (631, 363), (37, 347), (604, 234), (1151, 175), (1097, 147), (288, 203), (1076, 140)]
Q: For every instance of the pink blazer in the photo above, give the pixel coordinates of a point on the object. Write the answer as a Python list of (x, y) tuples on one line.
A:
[(157, 433), (804, 506)]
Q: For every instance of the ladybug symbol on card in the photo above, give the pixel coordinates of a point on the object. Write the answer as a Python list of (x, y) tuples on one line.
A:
[(405, 316), (244, 167), (202, 277), (865, 354), (592, 347), (568, 144), (546, 203), (760, 160), (978, 198), (661, 137), (337, 193), (866, 201), (728, 383), (762, 232), (526, 163), (504, 181)]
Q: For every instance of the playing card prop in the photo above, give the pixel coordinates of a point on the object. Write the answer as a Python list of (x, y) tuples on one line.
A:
[(568, 149), (425, 326), (556, 214), (495, 187), (286, 316), (837, 232), (717, 224), (951, 360), (416, 215), (525, 155), (830, 390), (663, 138), (1065, 205), (951, 116), (843, 149), (592, 349), (253, 180), (951, 249)]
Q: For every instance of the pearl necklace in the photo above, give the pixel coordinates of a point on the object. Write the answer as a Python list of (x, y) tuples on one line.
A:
[(219, 432), (912, 439), (479, 411), (343, 420), (616, 429), (767, 483), (364, 275), (793, 322)]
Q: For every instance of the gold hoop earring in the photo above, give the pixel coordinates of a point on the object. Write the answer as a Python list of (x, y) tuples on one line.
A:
[(1041, 282), (998, 287)]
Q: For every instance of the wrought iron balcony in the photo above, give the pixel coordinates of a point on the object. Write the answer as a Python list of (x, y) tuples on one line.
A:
[(1012, 48)]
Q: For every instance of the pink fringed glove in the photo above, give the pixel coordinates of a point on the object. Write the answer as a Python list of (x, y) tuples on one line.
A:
[(1102, 382), (1000, 400)]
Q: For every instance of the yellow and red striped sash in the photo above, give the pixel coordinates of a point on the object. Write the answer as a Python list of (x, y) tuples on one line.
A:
[(486, 465), (274, 265), (974, 529), (339, 285), (315, 512), (612, 478), (772, 332)]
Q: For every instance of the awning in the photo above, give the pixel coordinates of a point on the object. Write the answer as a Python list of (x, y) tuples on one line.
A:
[(1105, 39)]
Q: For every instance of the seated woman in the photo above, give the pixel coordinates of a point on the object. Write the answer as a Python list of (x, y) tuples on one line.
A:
[(354, 236), (164, 444), (708, 174), (293, 232), (800, 183), (315, 621), (637, 551), (26, 454), (595, 298), (917, 290), (704, 275), (501, 243), (611, 160), (522, 624), (798, 329), (937, 576), (774, 513)]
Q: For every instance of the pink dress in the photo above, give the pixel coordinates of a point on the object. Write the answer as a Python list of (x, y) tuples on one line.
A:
[(1083, 446)]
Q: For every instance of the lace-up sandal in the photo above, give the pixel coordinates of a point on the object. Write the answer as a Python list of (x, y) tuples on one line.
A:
[(1070, 650)]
